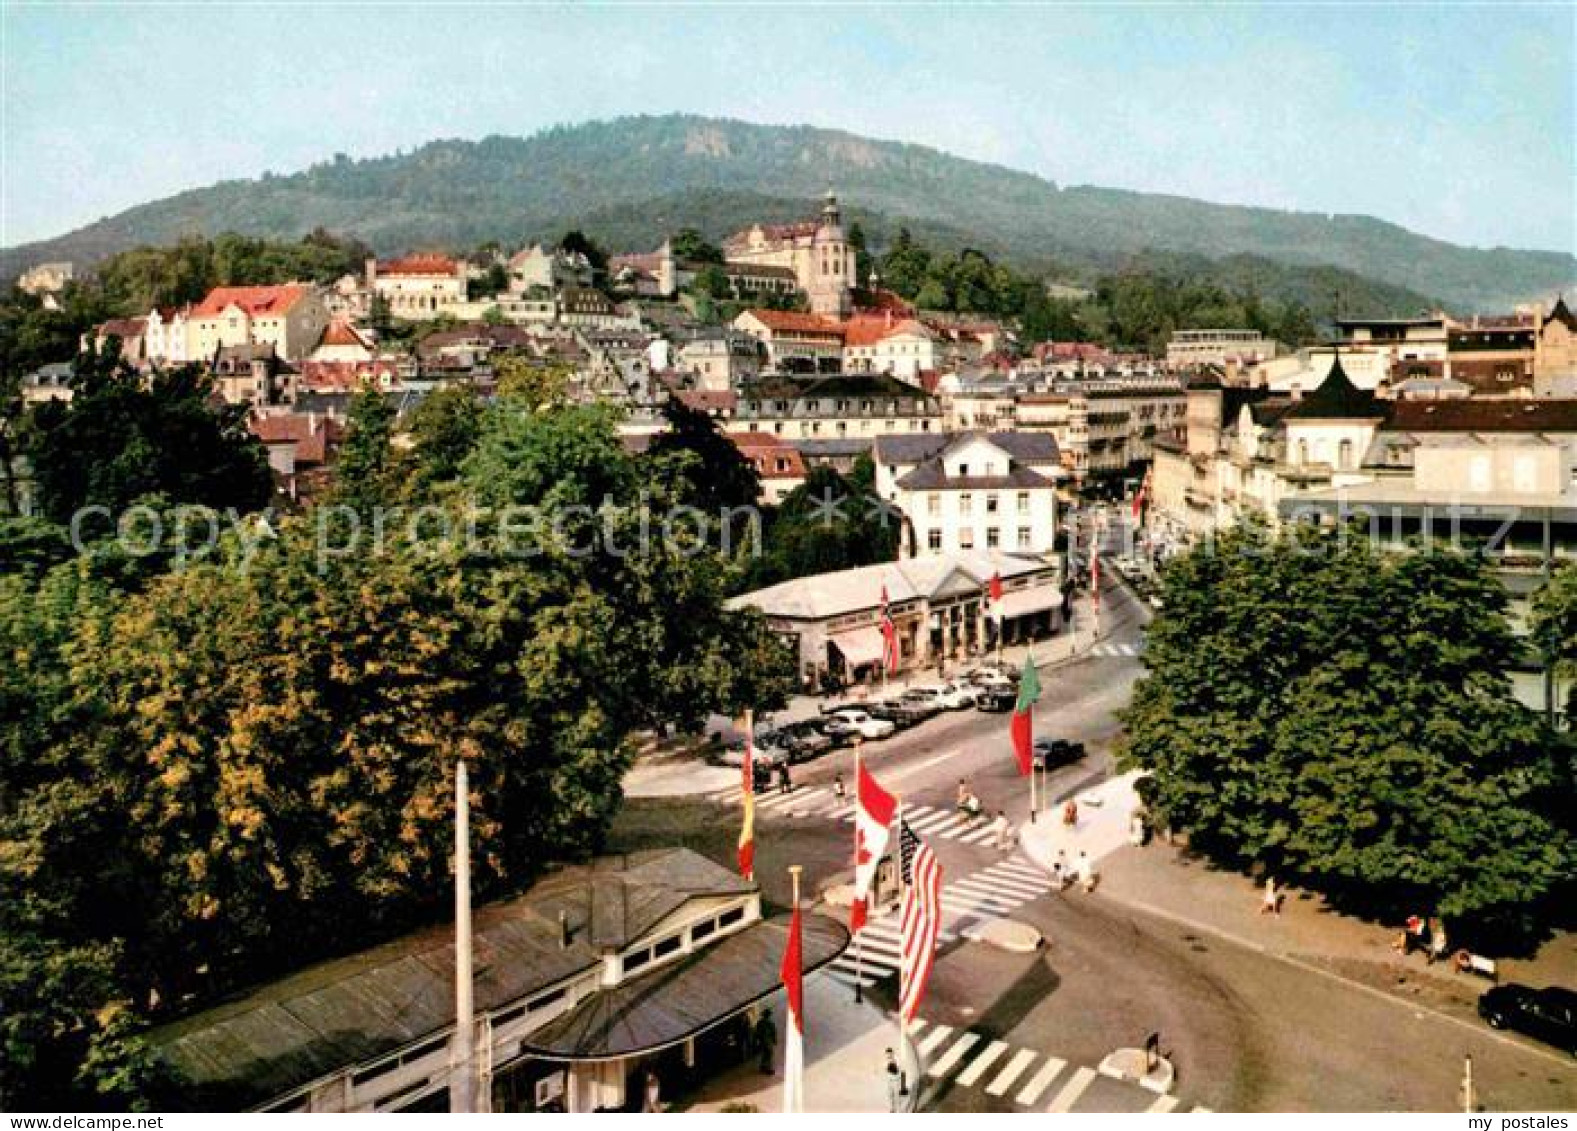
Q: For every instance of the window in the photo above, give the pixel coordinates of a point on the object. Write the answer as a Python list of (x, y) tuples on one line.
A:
[(991, 503), (966, 504), (702, 930), (636, 959), (1023, 502), (730, 917), (963, 471), (934, 540), (667, 946), (1023, 538), (933, 504), (992, 538), (1344, 455), (966, 539)]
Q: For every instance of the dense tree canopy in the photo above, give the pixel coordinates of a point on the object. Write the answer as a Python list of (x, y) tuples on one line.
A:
[(245, 764), (827, 523), (1555, 628), (123, 436), (1341, 716)]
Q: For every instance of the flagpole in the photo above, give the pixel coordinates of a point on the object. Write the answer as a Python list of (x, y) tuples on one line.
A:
[(859, 943), (794, 1081), (461, 1093), (903, 893), (1032, 758)]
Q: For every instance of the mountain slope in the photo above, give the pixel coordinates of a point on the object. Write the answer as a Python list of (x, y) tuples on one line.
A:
[(460, 193)]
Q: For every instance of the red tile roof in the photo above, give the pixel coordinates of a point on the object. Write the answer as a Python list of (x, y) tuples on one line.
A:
[(709, 401), (792, 321), (314, 436), (342, 333), (765, 450), (252, 300), (424, 264)]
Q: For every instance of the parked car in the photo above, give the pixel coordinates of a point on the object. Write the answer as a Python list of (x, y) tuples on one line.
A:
[(766, 751), (964, 692), (987, 674), (1550, 1014), (803, 740), (1050, 753), (997, 698), (943, 696), (854, 722), (902, 713)]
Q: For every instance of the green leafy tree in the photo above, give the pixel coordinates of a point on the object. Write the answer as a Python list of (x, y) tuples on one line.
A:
[(1555, 628), (689, 243), (123, 436), (531, 382), (1339, 715), (443, 430), (825, 524), (364, 476)]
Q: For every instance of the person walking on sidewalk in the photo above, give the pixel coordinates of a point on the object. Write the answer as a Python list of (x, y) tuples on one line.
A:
[(651, 1100), (1070, 814), (784, 784), (1271, 904), (839, 791), (1060, 875), (894, 1076), (1002, 831), (1086, 871)]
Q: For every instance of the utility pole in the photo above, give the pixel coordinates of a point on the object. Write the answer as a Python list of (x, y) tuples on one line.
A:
[(462, 1071)]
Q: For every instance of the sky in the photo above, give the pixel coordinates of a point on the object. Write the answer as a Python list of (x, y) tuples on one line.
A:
[(1457, 121)]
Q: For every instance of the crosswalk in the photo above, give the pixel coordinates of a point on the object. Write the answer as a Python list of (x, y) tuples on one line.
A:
[(989, 893), (1110, 649), (1030, 1078), (928, 821)]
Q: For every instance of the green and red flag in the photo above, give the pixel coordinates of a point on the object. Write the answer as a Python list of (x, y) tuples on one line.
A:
[(1023, 726)]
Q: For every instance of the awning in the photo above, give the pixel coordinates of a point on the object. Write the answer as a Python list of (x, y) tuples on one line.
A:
[(683, 1000), (859, 646), (1023, 602)]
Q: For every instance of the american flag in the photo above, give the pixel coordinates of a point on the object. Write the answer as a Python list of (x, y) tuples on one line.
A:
[(922, 917)]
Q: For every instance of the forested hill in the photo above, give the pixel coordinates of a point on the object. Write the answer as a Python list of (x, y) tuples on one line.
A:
[(660, 173)]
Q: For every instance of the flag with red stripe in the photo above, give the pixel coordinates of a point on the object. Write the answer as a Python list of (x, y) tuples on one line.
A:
[(794, 1029), (921, 920), (747, 828), (889, 637), (873, 818)]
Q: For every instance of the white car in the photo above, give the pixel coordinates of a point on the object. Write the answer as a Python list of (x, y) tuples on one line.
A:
[(954, 696), (858, 722)]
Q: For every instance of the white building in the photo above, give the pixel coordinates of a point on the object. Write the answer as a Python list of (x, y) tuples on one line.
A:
[(1217, 347), (972, 491)]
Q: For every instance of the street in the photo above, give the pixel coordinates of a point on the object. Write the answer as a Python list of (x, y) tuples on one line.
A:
[(1247, 1030)]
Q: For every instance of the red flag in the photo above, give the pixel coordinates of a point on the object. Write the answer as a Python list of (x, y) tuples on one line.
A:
[(794, 1030), (920, 921), (873, 818), (1095, 577), (996, 588), (889, 637), (1140, 499)]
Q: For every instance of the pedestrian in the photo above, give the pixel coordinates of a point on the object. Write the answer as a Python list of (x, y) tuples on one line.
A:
[(1003, 831), (1271, 904), (1437, 940), (1413, 937), (894, 1081), (784, 785), (1060, 871), (963, 793), (766, 1040), (652, 1100), (1070, 814), (838, 790), (1086, 871)]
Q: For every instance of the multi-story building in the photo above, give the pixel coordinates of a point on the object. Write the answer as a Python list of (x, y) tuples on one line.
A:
[(1217, 347), (972, 490), (548, 269), (841, 407), (419, 287), (817, 251), (718, 359), (167, 335), (290, 317), (1491, 471), (1555, 353), (46, 278), (882, 343), (794, 341)]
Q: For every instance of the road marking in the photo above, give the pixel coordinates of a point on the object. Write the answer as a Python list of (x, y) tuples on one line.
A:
[(996, 888), (1014, 1069), (935, 1038), (1201, 1109), (1072, 1090), (1039, 1082), (930, 822), (1162, 1105), (1020, 871), (977, 1067), (953, 1055), (978, 836)]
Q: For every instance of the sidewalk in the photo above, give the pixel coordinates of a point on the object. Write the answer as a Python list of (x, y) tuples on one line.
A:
[(1102, 828), (1170, 882), (844, 1045)]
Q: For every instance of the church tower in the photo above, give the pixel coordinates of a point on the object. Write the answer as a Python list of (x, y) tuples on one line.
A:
[(832, 264)]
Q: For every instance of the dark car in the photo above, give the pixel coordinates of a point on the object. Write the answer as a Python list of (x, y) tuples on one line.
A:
[(1050, 753), (926, 705), (898, 712), (1549, 1014), (802, 740), (996, 699)]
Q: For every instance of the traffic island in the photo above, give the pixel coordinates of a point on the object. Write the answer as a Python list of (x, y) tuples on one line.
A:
[(1005, 934), (1152, 1072)]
